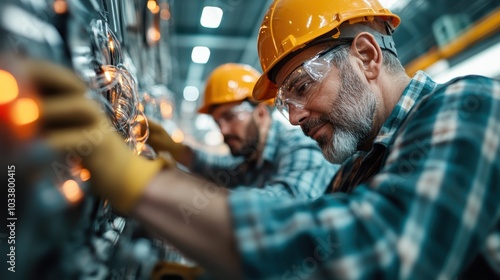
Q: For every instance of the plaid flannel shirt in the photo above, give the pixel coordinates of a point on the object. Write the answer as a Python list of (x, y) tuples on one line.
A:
[(292, 166), (422, 204)]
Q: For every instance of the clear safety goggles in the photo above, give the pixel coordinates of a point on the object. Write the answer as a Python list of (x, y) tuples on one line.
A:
[(236, 113), (301, 84)]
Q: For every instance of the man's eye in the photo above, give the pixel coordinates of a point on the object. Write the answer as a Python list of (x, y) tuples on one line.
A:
[(303, 86), (228, 117)]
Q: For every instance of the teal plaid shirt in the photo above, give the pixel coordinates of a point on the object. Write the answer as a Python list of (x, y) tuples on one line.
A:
[(293, 166), (422, 204)]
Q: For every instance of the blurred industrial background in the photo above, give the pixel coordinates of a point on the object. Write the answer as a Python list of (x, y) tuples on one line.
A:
[(171, 46), (151, 57), (446, 38)]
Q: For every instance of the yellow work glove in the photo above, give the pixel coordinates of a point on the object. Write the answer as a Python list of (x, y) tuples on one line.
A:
[(160, 141), (72, 122)]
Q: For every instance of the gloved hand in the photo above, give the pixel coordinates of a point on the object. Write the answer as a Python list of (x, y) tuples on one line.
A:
[(72, 122), (160, 141)]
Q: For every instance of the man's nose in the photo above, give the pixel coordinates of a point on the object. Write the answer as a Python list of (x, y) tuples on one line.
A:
[(224, 127), (297, 115)]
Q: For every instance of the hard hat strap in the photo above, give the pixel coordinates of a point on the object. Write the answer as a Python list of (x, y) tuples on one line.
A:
[(385, 41)]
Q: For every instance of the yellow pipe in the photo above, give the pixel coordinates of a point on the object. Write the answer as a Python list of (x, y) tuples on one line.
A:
[(482, 29)]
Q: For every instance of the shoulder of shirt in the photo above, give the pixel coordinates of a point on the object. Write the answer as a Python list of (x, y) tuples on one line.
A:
[(464, 87), (285, 134), (470, 84)]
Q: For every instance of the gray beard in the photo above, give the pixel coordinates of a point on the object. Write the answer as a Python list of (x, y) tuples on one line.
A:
[(351, 118)]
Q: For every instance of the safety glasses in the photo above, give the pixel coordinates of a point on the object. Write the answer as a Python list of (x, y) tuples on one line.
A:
[(304, 80), (234, 114)]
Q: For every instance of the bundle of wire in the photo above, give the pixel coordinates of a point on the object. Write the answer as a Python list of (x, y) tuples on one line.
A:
[(116, 89)]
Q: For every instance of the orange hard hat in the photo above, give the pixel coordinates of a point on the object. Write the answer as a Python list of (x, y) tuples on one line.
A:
[(291, 24), (227, 83)]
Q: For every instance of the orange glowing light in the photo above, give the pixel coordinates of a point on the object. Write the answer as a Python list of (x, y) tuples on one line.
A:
[(85, 175), (165, 14), (178, 136), (9, 87), (24, 111), (141, 107), (60, 6), (71, 191), (152, 5)]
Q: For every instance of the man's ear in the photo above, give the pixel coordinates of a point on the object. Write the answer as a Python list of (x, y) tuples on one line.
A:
[(366, 49), (261, 110)]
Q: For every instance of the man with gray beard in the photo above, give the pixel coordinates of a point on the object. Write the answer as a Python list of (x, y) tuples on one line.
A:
[(267, 155), (351, 115), (416, 196)]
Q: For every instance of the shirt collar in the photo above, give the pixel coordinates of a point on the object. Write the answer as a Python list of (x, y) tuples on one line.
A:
[(420, 85)]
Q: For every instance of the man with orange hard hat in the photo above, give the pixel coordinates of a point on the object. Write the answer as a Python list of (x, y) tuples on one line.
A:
[(267, 155)]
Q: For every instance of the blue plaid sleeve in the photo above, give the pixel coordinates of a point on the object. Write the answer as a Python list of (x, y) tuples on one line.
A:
[(301, 171), (294, 167), (432, 207)]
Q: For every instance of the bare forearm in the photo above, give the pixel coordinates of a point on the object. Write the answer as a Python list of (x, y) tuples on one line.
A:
[(184, 155), (193, 215)]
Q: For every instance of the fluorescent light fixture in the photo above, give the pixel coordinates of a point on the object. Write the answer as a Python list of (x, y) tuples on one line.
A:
[(191, 93), (211, 17), (437, 67), (178, 136), (200, 54)]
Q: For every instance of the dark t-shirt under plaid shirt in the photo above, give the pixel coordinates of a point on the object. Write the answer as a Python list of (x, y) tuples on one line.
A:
[(292, 166)]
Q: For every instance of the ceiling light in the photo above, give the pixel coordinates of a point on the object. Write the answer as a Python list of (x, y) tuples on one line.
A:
[(204, 122), (394, 5), (479, 64), (211, 17), (152, 5), (200, 54), (178, 136), (191, 93)]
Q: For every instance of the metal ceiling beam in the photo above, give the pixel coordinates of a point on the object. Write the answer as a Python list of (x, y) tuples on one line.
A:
[(211, 41), (250, 55)]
